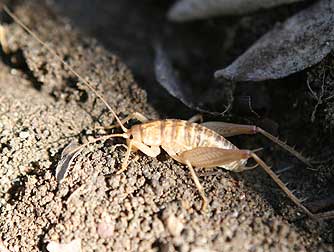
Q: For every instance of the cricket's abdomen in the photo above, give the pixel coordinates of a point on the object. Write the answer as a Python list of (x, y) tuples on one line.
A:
[(179, 134)]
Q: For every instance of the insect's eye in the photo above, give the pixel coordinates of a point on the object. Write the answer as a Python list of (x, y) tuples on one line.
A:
[(131, 137)]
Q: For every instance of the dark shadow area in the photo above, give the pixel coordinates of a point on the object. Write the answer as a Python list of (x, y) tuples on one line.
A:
[(17, 61), (17, 190), (129, 29)]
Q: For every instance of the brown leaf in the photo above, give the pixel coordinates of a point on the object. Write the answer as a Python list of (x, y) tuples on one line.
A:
[(166, 76), (186, 10), (67, 156), (300, 42)]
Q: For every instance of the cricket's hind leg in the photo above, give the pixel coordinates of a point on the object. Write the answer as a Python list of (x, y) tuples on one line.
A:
[(232, 129), (211, 156), (206, 157)]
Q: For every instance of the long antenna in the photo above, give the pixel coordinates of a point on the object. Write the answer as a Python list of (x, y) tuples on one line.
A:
[(53, 52)]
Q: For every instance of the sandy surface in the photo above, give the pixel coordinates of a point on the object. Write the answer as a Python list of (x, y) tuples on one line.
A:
[(153, 206)]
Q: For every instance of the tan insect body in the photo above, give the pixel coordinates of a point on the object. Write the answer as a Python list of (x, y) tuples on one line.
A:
[(177, 136)]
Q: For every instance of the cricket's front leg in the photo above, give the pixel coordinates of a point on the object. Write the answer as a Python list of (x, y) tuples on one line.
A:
[(136, 115), (133, 145), (125, 162)]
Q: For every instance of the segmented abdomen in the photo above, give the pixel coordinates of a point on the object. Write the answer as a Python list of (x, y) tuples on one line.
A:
[(181, 135)]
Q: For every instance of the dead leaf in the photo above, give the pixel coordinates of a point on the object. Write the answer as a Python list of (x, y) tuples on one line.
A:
[(186, 10), (67, 156), (166, 76), (300, 42)]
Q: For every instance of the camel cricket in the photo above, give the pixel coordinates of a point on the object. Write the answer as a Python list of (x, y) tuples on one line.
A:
[(194, 145)]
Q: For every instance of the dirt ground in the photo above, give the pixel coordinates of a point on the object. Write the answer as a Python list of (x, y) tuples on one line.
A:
[(153, 206)]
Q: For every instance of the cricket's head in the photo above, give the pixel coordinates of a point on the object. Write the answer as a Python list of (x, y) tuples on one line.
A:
[(134, 133)]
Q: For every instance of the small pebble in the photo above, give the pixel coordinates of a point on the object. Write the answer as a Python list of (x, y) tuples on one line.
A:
[(24, 134), (174, 225)]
